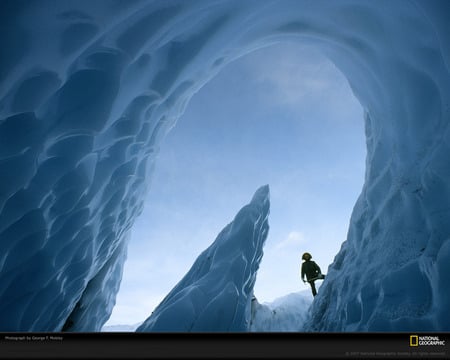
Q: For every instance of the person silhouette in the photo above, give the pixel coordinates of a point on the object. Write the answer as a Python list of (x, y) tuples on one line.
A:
[(312, 272)]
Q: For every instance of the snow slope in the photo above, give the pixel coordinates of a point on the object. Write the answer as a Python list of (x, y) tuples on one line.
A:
[(121, 328), (288, 313), (89, 89)]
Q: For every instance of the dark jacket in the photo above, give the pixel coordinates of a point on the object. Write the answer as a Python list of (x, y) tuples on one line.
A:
[(310, 269)]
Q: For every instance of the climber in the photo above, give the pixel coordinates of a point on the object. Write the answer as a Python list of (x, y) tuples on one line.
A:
[(312, 272)]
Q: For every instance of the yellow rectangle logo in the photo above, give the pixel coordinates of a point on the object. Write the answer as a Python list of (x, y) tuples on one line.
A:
[(413, 340)]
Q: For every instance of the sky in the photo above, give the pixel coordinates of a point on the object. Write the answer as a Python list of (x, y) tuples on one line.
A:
[(283, 116)]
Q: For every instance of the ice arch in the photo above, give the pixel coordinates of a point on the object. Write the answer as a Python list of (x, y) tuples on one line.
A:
[(88, 90)]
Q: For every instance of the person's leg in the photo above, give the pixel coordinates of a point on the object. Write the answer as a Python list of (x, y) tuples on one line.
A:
[(313, 288)]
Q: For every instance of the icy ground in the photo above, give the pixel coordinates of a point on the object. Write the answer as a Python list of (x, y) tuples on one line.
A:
[(89, 90), (288, 313), (120, 328)]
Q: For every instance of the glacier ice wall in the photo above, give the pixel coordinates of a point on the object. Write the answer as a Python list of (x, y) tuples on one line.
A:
[(89, 89), (216, 293)]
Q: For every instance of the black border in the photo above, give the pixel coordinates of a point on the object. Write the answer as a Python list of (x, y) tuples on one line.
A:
[(286, 345)]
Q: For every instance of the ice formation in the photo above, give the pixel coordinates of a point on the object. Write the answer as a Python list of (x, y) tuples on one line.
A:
[(216, 293), (89, 89), (288, 313)]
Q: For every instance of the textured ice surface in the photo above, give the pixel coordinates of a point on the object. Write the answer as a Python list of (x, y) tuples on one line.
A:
[(288, 313), (120, 328), (216, 293), (89, 89)]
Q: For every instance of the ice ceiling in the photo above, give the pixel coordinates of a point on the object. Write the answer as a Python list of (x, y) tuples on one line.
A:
[(89, 89)]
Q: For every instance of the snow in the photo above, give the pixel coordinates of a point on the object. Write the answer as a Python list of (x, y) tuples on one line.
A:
[(89, 90), (288, 313), (121, 328)]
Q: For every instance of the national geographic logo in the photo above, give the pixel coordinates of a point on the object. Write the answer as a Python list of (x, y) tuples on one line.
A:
[(416, 340)]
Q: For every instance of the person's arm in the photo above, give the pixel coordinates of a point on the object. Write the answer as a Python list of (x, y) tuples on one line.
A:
[(303, 272)]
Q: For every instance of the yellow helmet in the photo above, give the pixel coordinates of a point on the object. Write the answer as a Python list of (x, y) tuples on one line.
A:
[(306, 256)]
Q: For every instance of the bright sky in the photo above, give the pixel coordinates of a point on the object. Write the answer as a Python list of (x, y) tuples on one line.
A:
[(282, 116)]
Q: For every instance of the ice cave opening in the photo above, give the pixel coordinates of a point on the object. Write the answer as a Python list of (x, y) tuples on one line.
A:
[(81, 128), (281, 115)]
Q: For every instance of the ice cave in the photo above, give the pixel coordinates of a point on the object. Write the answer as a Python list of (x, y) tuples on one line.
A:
[(89, 90)]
